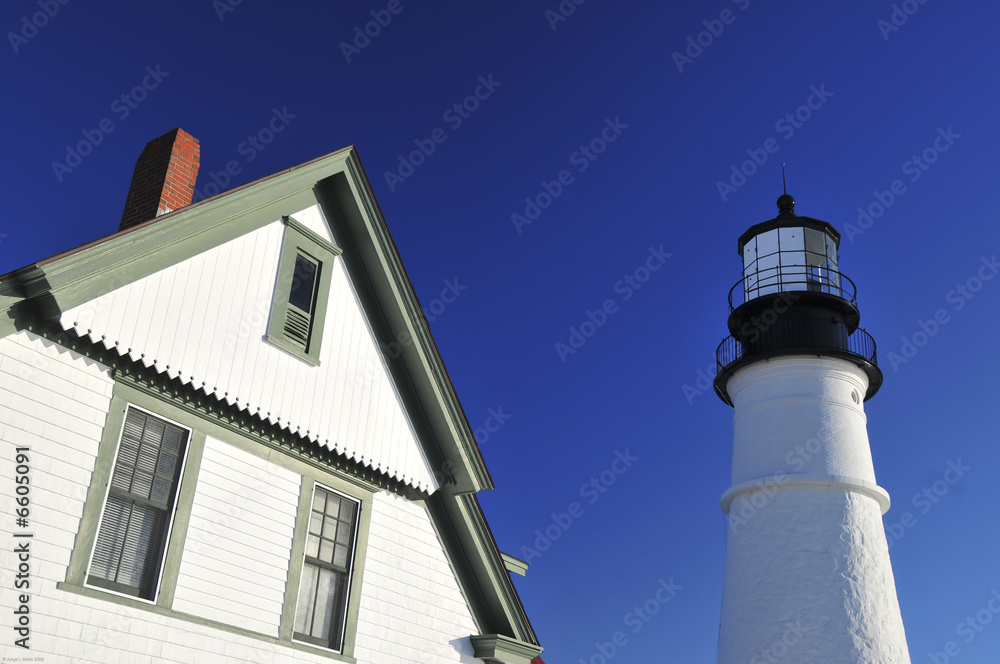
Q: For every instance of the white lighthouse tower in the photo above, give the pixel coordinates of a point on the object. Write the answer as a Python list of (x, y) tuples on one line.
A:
[(808, 578)]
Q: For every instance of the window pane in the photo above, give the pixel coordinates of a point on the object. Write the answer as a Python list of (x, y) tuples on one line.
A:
[(325, 594), (307, 596), (329, 527), (161, 490), (326, 551), (791, 239), (332, 505), (142, 483), (172, 440), (767, 243), (316, 523), (312, 546), (303, 282), (124, 550), (815, 241), (831, 252), (347, 510), (165, 465), (137, 564), (108, 549), (152, 434), (128, 452), (340, 557)]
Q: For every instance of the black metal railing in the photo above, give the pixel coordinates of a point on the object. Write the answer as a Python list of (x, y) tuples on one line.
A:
[(791, 278), (790, 335)]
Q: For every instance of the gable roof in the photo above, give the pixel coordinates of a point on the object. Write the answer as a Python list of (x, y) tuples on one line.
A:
[(48, 289)]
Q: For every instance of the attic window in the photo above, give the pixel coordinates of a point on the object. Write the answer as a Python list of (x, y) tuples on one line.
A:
[(301, 301), (301, 291)]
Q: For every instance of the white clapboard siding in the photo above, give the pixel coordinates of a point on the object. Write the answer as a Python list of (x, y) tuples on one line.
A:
[(202, 321), (54, 402), (68, 627), (235, 562), (412, 609)]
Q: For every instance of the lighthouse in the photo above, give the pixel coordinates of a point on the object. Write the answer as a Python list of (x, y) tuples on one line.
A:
[(808, 578)]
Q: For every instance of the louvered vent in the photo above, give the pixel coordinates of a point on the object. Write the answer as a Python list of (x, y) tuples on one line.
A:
[(297, 328)]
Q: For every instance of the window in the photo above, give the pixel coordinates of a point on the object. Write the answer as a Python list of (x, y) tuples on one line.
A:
[(326, 574), (138, 508), (303, 286)]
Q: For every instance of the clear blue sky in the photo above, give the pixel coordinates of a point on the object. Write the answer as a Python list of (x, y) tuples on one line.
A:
[(880, 96)]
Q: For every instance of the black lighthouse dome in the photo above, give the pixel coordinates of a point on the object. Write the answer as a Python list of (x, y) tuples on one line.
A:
[(793, 299)]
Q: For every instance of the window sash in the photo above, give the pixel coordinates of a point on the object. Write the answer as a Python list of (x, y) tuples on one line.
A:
[(136, 515), (321, 607)]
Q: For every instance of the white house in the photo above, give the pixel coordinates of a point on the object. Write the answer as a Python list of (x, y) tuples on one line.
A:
[(227, 436)]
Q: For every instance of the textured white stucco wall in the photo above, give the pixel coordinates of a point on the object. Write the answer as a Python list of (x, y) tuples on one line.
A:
[(808, 577)]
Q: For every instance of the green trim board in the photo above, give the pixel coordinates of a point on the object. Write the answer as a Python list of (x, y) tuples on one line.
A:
[(500, 649), (514, 565)]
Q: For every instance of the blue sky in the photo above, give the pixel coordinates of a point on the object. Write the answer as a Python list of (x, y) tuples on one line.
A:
[(590, 144)]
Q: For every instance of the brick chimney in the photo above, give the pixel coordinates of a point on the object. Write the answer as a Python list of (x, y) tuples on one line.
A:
[(163, 179)]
